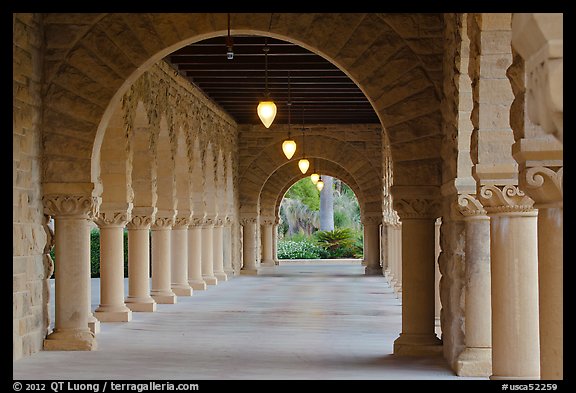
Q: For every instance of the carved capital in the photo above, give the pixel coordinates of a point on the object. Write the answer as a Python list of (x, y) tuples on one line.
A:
[(181, 222), (196, 221), (467, 206), (77, 206), (267, 220), (162, 223), (544, 185), (208, 222), (218, 222), (112, 218), (140, 222), (248, 220), (372, 220), (504, 199), (417, 208)]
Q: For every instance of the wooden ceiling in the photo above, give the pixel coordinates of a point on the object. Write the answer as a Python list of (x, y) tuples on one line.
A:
[(320, 93)]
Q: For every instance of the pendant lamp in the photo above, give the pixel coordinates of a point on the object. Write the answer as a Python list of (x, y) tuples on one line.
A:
[(266, 107)]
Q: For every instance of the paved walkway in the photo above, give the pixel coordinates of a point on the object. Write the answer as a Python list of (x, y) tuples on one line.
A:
[(293, 322)]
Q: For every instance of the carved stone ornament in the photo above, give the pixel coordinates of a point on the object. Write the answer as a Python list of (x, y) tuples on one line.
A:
[(417, 208), (267, 221), (80, 206), (544, 185), (162, 223), (372, 220), (468, 206), (504, 199), (112, 218), (140, 222), (181, 222), (248, 220), (196, 221)]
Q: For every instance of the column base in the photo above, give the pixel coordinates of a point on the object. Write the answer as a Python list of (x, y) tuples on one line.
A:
[(373, 271), (417, 345), (474, 362), (249, 272), (197, 285), (164, 298), (70, 340), (113, 316), (93, 324), (229, 273), (182, 290), (210, 280), (221, 276), (268, 263), (140, 304)]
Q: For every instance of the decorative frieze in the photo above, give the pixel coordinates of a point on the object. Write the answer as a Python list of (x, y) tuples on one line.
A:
[(417, 208)]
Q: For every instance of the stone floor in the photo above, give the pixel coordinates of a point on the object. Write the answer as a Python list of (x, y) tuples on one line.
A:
[(292, 322)]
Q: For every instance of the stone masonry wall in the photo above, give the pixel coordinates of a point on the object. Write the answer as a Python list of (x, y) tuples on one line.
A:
[(29, 264)]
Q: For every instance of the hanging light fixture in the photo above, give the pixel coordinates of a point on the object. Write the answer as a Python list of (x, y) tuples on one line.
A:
[(303, 164), (320, 184), (267, 107), (229, 43), (314, 176), (289, 145)]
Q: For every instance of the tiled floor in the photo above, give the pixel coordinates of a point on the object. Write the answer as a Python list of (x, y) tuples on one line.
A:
[(293, 322)]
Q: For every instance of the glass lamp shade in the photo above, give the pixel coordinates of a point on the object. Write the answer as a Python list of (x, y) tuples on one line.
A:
[(303, 164), (267, 112), (314, 177), (289, 148), (320, 185)]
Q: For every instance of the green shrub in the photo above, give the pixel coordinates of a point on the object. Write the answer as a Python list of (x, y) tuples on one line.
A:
[(340, 243), (289, 249)]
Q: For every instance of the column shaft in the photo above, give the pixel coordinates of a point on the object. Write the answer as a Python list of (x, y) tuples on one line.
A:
[(418, 336), (398, 257), (195, 258), (219, 253), (179, 255), (72, 272), (372, 249), (251, 264), (267, 245), (550, 282), (227, 248), (112, 307), (208, 255), (476, 359), (514, 266), (139, 298), (161, 291)]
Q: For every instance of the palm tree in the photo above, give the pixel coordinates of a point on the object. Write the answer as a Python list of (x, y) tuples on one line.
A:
[(327, 204)]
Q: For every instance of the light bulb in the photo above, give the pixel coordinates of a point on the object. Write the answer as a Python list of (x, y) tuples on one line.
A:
[(289, 148), (267, 112), (303, 164), (320, 185), (314, 177)]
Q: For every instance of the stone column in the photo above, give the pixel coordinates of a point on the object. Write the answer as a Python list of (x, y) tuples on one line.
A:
[(139, 299), (179, 255), (372, 245), (267, 241), (385, 249), (208, 251), (219, 250), (476, 359), (228, 269), (418, 335), (275, 242), (437, 275), (542, 180), (195, 254), (514, 267), (72, 274), (398, 256), (161, 291), (112, 307), (251, 263)]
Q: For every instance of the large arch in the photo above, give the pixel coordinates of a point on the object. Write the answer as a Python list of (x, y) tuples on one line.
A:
[(394, 58)]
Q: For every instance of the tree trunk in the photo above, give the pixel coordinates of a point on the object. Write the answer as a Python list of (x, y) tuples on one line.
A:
[(327, 205)]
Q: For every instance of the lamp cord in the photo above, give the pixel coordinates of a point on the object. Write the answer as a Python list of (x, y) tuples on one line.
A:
[(266, 66)]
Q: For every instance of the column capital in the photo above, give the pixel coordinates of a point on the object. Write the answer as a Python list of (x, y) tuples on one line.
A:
[(164, 219), (77, 206), (181, 222), (544, 185), (417, 208), (248, 220), (112, 218), (267, 220), (372, 220), (467, 206), (505, 199)]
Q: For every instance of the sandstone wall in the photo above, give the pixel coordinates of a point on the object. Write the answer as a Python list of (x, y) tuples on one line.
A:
[(30, 267)]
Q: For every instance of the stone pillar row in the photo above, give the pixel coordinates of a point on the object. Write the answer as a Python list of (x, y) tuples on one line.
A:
[(187, 253)]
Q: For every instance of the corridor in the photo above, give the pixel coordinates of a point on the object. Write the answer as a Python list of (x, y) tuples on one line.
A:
[(292, 322)]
